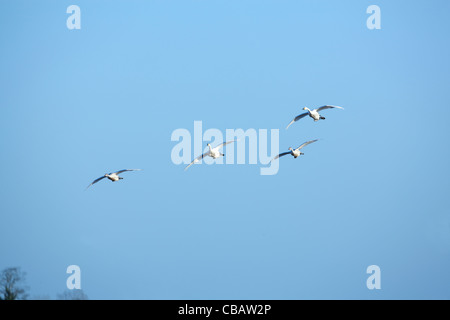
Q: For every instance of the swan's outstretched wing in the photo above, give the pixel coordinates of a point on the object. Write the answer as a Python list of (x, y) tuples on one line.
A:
[(297, 118), (280, 155), (305, 144), (125, 170), (95, 181), (196, 160), (327, 107), (224, 144)]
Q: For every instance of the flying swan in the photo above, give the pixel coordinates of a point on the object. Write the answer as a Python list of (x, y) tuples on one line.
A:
[(294, 152), (114, 176), (312, 113), (213, 153)]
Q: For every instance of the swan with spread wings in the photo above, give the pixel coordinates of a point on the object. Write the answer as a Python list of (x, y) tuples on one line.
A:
[(294, 152), (113, 176), (312, 113), (212, 152)]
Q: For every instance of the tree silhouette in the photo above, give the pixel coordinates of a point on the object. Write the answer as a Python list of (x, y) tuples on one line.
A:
[(12, 284)]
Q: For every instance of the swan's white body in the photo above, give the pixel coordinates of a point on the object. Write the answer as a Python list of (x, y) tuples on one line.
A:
[(212, 152), (295, 152), (113, 177), (313, 114)]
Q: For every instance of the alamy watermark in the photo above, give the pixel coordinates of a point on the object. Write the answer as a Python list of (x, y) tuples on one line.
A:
[(74, 280), (74, 20), (251, 145), (374, 20), (374, 280)]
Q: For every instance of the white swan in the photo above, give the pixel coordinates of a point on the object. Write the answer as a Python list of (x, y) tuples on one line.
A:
[(213, 153), (113, 176), (312, 113), (294, 152)]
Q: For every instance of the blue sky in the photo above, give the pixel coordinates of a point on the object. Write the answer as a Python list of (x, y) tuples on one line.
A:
[(76, 104)]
